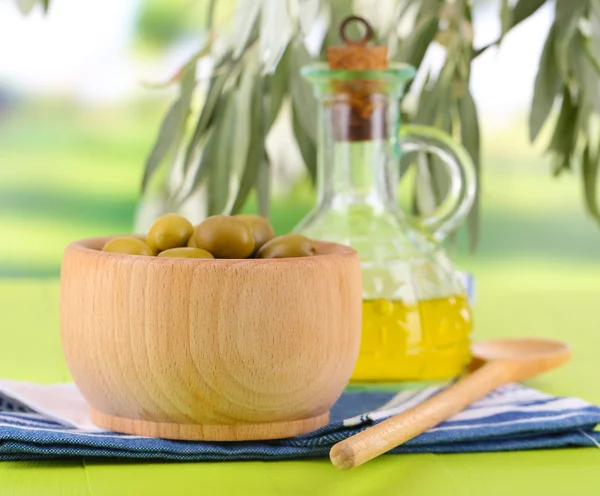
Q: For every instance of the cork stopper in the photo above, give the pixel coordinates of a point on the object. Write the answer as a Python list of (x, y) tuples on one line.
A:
[(356, 55), (359, 109)]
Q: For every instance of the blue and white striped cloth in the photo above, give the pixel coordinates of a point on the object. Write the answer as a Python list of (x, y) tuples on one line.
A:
[(43, 422)]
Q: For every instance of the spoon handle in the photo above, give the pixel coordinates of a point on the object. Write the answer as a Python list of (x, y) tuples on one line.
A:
[(396, 430)]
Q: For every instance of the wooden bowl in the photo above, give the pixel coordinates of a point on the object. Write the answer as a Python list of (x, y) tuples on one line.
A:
[(202, 349)]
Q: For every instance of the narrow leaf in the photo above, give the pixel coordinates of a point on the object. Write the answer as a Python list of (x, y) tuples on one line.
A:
[(276, 30), (308, 11), (220, 170), (303, 100), (505, 18), (256, 151), (590, 183), (216, 86), (210, 14), (568, 14), (414, 47), (278, 87), (440, 180), (307, 147), (207, 158), (172, 125), (523, 9), (245, 95), (547, 87), (563, 139), (470, 138), (425, 200), (263, 187), (427, 8), (434, 103), (246, 20)]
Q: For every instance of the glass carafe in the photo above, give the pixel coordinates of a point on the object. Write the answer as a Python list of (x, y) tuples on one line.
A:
[(416, 316)]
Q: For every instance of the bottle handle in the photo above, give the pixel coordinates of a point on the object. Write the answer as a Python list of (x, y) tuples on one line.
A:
[(461, 194)]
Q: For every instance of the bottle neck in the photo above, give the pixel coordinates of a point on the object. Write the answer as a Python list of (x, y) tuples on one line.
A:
[(361, 172)]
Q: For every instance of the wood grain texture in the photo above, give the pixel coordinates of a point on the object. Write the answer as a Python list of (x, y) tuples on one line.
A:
[(210, 349), (500, 361)]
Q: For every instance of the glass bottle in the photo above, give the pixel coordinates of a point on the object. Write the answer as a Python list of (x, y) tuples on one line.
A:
[(416, 315)]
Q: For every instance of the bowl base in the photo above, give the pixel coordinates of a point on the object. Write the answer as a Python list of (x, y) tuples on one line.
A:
[(198, 432)]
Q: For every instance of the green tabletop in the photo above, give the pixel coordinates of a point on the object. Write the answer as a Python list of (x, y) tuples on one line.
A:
[(558, 303)]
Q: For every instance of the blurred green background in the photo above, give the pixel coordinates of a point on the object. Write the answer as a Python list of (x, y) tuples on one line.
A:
[(71, 155)]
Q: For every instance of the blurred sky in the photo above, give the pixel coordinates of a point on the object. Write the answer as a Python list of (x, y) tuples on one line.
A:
[(83, 48)]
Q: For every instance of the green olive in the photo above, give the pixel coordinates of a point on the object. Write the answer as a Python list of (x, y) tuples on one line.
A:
[(185, 252), (262, 230), (224, 237), (128, 245), (287, 246), (169, 231), (142, 237)]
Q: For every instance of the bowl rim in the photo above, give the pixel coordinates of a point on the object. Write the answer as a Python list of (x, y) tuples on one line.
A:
[(91, 246)]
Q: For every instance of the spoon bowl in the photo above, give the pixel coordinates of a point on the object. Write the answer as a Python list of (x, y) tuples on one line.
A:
[(522, 358), (520, 349)]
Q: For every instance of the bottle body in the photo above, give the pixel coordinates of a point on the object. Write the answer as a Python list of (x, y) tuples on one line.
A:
[(416, 316)]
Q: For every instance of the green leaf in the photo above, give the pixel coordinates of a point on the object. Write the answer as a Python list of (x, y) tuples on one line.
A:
[(563, 139), (427, 8), (220, 169), (547, 87), (590, 182), (207, 158), (414, 47), (244, 125), (505, 18), (434, 103), (307, 146), (256, 151), (303, 100), (568, 14), (276, 30), (263, 187), (278, 87), (470, 138), (210, 14), (308, 11), (440, 180), (592, 42), (431, 179), (246, 22), (173, 124), (45, 5), (424, 199), (217, 83), (523, 9)]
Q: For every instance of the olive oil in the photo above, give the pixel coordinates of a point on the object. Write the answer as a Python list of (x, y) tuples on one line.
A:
[(427, 340)]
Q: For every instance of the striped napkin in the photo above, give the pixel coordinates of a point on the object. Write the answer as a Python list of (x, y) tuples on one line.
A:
[(52, 421)]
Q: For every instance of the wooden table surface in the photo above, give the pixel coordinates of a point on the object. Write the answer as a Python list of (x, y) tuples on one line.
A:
[(30, 350)]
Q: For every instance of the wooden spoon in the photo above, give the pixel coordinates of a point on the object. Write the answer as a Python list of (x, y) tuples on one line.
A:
[(497, 362)]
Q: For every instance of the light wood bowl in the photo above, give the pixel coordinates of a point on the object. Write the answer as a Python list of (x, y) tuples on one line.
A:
[(210, 349)]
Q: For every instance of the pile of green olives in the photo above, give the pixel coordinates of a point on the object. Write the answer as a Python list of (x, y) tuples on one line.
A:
[(218, 236)]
